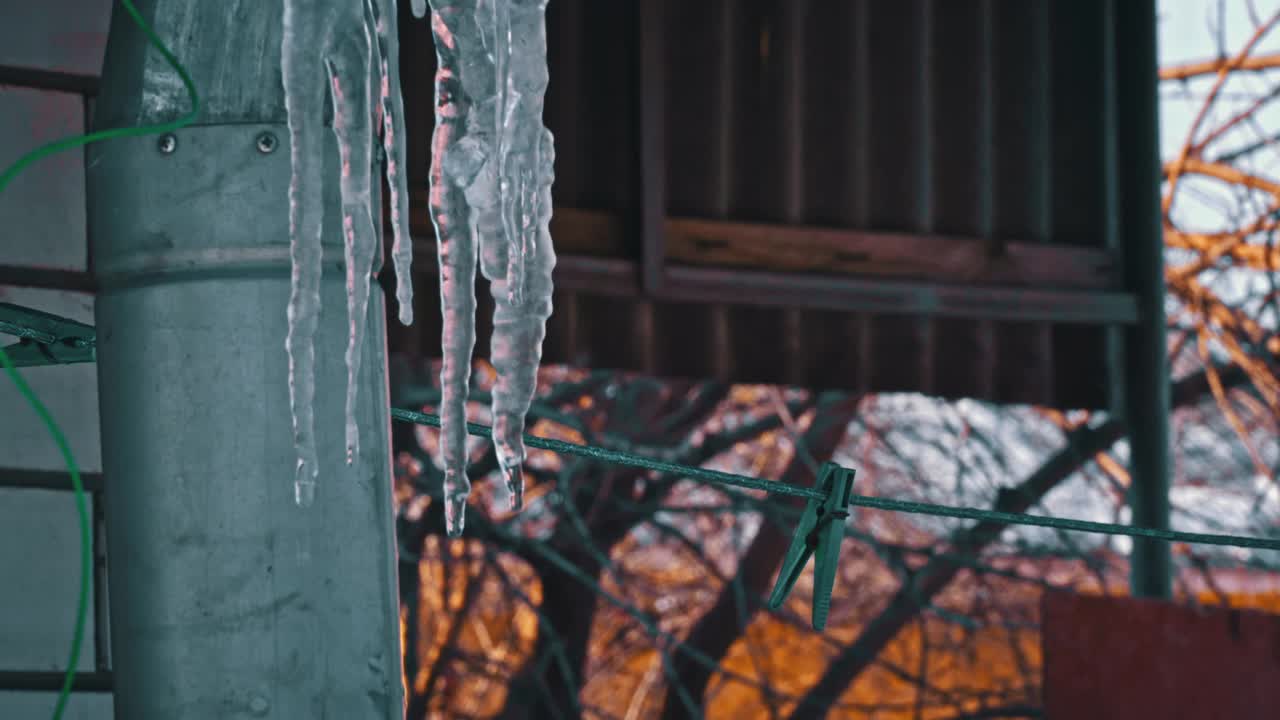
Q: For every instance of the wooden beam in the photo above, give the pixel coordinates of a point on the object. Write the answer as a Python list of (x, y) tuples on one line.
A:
[(789, 248), (895, 297), (615, 277), (856, 252), (794, 248)]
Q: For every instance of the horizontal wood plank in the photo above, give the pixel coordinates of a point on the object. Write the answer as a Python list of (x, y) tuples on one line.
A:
[(824, 251), (620, 278), (886, 296), (782, 248)]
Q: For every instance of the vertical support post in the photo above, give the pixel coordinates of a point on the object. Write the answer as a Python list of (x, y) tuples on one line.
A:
[(1147, 403), (226, 599), (653, 143)]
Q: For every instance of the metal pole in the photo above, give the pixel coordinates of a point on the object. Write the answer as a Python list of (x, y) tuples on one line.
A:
[(1146, 356), (227, 600)]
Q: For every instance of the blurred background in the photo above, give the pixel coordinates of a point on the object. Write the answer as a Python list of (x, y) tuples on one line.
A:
[(620, 594), (760, 207)]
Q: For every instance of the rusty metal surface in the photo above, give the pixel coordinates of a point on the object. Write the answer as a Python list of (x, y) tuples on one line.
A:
[(953, 118)]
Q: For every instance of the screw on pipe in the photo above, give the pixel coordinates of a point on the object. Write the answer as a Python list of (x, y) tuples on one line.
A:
[(267, 143)]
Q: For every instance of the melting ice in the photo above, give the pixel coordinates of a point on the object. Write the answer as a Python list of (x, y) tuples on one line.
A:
[(490, 196), (354, 45)]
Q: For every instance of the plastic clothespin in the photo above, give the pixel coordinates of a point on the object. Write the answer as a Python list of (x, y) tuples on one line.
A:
[(819, 533), (45, 339)]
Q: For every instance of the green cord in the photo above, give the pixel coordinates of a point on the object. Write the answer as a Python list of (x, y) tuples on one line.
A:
[(86, 543), (906, 506), (618, 457)]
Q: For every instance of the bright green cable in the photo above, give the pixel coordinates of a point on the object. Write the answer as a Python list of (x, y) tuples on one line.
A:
[(86, 543)]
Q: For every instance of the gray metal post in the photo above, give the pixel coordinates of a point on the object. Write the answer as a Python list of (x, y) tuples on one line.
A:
[(1146, 355), (227, 600)]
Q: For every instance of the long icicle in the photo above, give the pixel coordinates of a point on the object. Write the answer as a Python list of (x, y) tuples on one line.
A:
[(522, 289), (339, 40), (350, 75), (490, 187), (304, 29), (393, 143), (456, 160)]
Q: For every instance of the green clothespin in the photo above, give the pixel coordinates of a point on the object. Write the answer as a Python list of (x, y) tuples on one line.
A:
[(45, 339), (820, 532)]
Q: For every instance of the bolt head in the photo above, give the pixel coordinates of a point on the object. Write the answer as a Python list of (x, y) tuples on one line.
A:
[(167, 143), (259, 705), (267, 143)]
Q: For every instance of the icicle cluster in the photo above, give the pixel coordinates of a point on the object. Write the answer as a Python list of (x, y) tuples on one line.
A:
[(491, 176), (356, 40)]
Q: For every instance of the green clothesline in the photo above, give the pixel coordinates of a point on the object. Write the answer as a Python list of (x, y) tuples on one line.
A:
[(618, 457)]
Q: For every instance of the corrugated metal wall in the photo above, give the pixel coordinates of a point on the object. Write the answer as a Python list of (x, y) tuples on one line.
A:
[(980, 118)]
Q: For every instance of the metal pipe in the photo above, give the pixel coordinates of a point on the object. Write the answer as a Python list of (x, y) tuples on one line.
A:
[(227, 600), (1146, 356)]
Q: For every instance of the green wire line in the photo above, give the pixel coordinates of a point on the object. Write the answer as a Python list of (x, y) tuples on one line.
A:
[(905, 506), (618, 457), (1087, 526), (86, 543)]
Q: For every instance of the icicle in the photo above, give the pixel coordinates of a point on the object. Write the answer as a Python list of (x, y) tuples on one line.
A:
[(456, 160), (342, 35), (507, 123), (526, 160), (304, 100), (350, 74), (393, 130), (491, 145)]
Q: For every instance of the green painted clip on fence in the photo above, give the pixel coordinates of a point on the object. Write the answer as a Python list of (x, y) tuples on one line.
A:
[(819, 534), (45, 339)]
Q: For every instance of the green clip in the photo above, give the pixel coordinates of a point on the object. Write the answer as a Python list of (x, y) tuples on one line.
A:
[(820, 532), (45, 339)]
